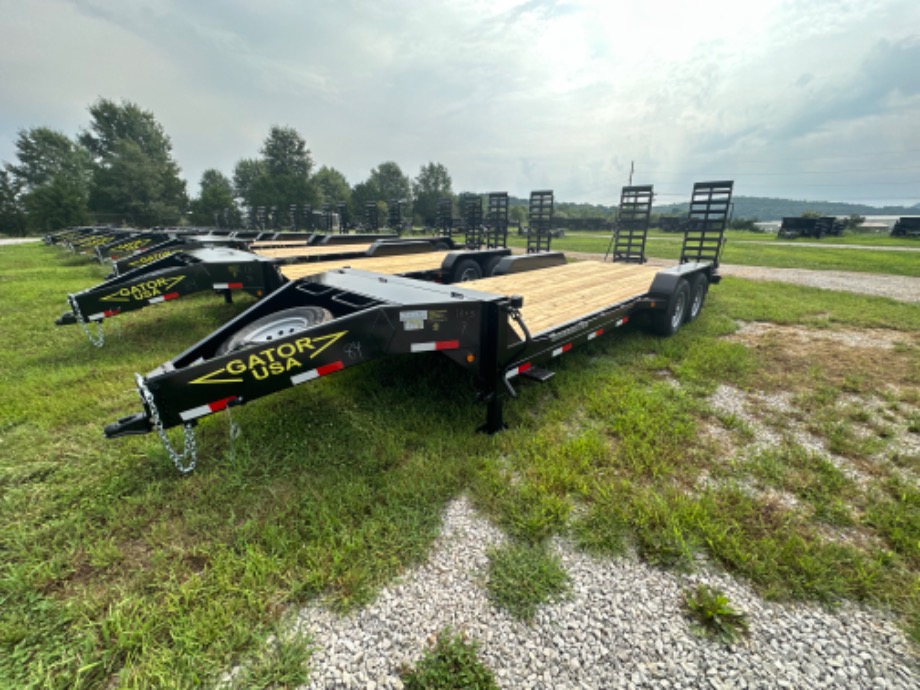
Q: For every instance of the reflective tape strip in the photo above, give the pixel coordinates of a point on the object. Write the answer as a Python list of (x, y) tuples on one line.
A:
[(562, 350), (625, 319), (228, 286), (103, 315), (437, 345), (203, 410), (518, 370), (598, 332), (163, 298), (316, 373)]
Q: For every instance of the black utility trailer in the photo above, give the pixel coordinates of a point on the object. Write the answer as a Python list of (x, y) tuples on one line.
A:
[(499, 329), (223, 270), (816, 228), (906, 226), (266, 240)]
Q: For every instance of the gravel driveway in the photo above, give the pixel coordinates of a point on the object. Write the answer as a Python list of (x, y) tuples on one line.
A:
[(622, 626)]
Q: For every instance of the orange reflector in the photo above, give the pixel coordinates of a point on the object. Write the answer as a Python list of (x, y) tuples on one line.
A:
[(470, 358)]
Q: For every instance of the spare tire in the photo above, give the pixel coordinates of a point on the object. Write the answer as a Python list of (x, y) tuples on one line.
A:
[(275, 326)]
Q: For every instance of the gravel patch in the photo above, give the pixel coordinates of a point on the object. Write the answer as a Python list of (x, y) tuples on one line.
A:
[(622, 626), (901, 288)]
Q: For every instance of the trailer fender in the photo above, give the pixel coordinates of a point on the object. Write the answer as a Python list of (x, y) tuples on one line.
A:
[(383, 248), (528, 262), (456, 265)]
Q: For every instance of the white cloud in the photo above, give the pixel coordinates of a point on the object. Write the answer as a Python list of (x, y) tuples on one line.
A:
[(508, 95)]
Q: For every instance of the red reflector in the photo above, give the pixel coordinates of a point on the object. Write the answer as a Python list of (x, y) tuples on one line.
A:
[(447, 345), (235, 286), (171, 295), (330, 368), (219, 405), (524, 367)]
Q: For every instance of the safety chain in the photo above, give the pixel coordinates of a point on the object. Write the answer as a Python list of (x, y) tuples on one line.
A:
[(234, 433), (97, 339), (185, 462)]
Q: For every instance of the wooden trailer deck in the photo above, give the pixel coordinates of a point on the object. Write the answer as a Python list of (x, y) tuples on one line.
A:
[(391, 265), (561, 294), (288, 249)]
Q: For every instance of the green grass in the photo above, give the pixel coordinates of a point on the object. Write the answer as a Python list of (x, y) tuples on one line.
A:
[(524, 576), (751, 249), (117, 572), (449, 664)]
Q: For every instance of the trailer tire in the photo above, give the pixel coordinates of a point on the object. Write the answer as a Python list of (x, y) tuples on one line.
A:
[(669, 320), (491, 265), (699, 286), (465, 270), (275, 326)]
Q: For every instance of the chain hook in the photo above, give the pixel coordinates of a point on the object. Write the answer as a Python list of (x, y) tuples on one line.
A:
[(97, 338), (184, 462)]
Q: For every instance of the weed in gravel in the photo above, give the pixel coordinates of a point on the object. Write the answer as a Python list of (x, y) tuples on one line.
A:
[(451, 663), (710, 608), (523, 576)]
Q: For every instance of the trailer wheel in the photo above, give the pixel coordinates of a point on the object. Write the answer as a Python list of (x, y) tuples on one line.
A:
[(699, 286), (274, 327), (669, 320), (491, 265), (466, 269)]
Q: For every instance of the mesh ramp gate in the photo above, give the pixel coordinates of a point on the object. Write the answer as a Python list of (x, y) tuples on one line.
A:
[(707, 218), (631, 229), (540, 220)]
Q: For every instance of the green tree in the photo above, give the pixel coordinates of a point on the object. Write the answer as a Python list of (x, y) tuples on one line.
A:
[(135, 178), (216, 195), (45, 154), (391, 183), (12, 216), (853, 221), (247, 175), (432, 183), (281, 177), (385, 183), (332, 186), (51, 179)]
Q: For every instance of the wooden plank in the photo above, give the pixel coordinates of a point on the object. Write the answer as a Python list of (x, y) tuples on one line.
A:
[(391, 265), (304, 250), (555, 296), (261, 244)]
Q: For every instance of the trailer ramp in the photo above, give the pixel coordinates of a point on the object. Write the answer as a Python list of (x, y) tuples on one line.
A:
[(627, 244), (708, 216)]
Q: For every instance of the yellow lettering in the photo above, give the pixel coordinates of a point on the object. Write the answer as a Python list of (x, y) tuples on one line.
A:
[(235, 367), (286, 350), (256, 361), (292, 363), (260, 374)]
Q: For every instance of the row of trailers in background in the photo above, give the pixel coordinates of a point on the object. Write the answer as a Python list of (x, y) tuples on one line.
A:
[(831, 226), (324, 307)]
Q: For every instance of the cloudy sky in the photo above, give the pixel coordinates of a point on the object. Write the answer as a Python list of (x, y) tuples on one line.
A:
[(808, 99)]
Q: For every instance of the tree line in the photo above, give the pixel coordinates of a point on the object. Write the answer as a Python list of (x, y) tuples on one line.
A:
[(120, 170)]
